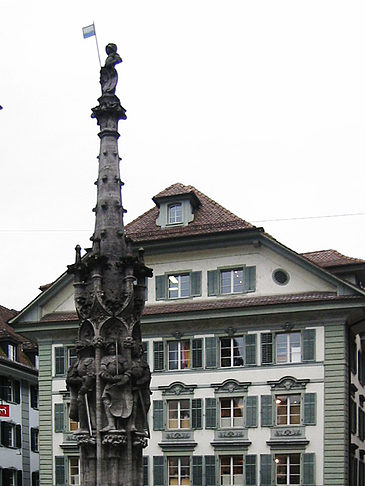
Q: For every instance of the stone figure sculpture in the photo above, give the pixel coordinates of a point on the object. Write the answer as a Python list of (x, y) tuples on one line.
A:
[(108, 73), (81, 384), (109, 383)]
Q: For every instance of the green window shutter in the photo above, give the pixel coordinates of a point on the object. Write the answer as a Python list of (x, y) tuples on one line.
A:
[(309, 409), (146, 289), (60, 472), (158, 356), (266, 411), (158, 415), (309, 345), (266, 348), (210, 352), (158, 471), (266, 469), (197, 353), (19, 478), (210, 471), (213, 283), (195, 284), (251, 411), (250, 279), (59, 417), (16, 384), (250, 349), (32, 439), (308, 464), (196, 413), (145, 471), (250, 470), (34, 396), (161, 287), (18, 436), (353, 417), (60, 360), (197, 471), (210, 413), (5, 434)]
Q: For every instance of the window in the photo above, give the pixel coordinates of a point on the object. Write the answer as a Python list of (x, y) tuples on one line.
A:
[(64, 358), (179, 414), (10, 477), (178, 286), (231, 281), (231, 470), (175, 215), (11, 435), (179, 471), (72, 424), (9, 390), (287, 410), (231, 412), (288, 348), (12, 352), (34, 442), (179, 355), (72, 356), (287, 469), (35, 478), (232, 351), (74, 468)]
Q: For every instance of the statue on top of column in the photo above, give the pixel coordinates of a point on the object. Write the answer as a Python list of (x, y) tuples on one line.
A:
[(108, 73)]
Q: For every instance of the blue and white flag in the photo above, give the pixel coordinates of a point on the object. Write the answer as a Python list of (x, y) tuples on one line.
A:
[(88, 31)]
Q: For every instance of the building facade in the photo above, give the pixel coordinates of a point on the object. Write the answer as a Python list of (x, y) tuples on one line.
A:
[(255, 354), (19, 456)]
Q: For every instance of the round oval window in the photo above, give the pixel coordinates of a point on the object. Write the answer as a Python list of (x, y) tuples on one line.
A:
[(281, 277)]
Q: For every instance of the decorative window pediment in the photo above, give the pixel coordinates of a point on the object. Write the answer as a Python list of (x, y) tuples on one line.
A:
[(231, 386), (288, 383), (178, 388)]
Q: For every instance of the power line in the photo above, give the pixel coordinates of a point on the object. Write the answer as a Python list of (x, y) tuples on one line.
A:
[(68, 230), (308, 217)]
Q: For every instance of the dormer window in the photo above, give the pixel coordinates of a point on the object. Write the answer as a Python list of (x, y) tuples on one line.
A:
[(12, 352), (175, 213)]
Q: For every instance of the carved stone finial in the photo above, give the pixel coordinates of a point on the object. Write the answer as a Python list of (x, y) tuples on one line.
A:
[(108, 73)]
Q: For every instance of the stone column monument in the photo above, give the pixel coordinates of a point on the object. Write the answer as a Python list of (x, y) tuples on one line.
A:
[(109, 382)]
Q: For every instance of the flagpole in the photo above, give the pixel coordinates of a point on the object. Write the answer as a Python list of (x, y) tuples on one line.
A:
[(97, 45)]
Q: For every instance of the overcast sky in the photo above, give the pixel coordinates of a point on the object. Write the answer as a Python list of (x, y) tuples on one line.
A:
[(258, 104)]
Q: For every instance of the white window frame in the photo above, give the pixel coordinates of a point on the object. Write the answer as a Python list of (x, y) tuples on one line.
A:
[(287, 466), (174, 216), (289, 407), (180, 350), (290, 356), (233, 479), (232, 272), (11, 387), (69, 419), (36, 440), (73, 479), (234, 422), (12, 352), (232, 355), (178, 464), (180, 410), (178, 283)]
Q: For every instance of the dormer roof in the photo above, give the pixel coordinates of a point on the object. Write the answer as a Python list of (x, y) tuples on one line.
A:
[(209, 217)]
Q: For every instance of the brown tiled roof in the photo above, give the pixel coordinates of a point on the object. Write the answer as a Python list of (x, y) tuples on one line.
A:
[(209, 218), (8, 333), (330, 258), (175, 307)]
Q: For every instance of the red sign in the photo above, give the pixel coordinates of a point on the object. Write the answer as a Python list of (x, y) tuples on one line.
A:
[(4, 411)]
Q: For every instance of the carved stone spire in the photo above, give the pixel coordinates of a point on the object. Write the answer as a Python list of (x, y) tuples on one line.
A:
[(109, 383)]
